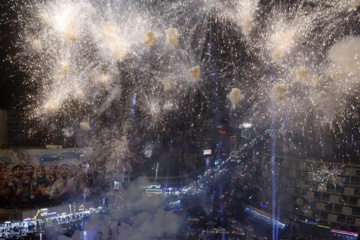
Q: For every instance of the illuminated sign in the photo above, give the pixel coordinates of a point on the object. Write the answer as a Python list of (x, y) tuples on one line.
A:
[(222, 132), (264, 217), (313, 223), (153, 186), (43, 212), (117, 185), (344, 232), (263, 205), (52, 213), (207, 152)]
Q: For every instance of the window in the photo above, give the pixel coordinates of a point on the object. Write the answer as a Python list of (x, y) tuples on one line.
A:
[(300, 192), (330, 187), (324, 215), (325, 196), (353, 200), (345, 180), (312, 204), (343, 199), (294, 164), (316, 214), (317, 195), (356, 210), (286, 172), (357, 191), (329, 207), (342, 169), (341, 218), (355, 181), (338, 208), (315, 186), (309, 166), (339, 189), (351, 220)]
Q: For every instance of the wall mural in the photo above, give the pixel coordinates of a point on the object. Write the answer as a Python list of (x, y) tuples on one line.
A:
[(37, 175)]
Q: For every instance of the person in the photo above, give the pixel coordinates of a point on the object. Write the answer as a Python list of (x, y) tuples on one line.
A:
[(21, 188), (53, 174), (30, 173), (69, 171), (40, 187), (63, 188), (10, 174), (29, 177), (75, 176), (6, 191)]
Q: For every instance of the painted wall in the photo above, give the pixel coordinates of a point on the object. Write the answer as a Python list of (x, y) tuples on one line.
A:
[(38, 175)]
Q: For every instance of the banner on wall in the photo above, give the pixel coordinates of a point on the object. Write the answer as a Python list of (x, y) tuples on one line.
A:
[(33, 175)]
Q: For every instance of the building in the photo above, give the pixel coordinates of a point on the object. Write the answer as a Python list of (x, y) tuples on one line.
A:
[(320, 193)]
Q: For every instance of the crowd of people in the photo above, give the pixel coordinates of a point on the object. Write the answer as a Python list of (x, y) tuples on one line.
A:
[(20, 183)]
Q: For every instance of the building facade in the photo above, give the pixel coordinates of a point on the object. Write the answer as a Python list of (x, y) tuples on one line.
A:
[(313, 191)]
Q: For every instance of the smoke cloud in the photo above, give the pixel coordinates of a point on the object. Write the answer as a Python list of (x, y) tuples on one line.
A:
[(345, 55), (278, 92), (235, 97), (132, 216)]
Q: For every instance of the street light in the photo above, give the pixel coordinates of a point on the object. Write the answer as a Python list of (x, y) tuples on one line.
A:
[(156, 172)]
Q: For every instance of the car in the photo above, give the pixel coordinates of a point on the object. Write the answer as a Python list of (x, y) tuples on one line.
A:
[(220, 230), (232, 220), (238, 233), (250, 228), (191, 219)]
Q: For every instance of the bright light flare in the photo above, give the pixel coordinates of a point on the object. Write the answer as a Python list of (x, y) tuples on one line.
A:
[(66, 22), (247, 125)]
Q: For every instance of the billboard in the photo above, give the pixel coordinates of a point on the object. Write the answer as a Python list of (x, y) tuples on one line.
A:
[(207, 152), (37, 175)]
